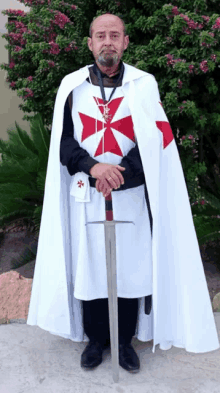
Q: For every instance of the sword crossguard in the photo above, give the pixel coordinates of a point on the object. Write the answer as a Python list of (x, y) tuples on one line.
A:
[(110, 223)]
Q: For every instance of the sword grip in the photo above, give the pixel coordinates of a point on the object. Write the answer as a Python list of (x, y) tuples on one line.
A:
[(108, 208)]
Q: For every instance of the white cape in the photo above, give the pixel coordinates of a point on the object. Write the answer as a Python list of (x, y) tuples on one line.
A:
[(181, 312)]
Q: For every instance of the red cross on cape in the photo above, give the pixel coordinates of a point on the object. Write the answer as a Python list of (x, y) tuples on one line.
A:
[(164, 127)]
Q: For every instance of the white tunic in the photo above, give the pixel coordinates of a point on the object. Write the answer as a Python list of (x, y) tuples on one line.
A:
[(108, 143)]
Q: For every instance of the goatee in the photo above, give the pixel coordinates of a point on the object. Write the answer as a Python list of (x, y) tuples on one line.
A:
[(108, 59)]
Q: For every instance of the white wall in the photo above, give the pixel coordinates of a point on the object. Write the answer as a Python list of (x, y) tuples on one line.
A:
[(9, 101)]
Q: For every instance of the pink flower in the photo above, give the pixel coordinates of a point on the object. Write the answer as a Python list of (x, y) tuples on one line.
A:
[(191, 68), (30, 78), (36, 2), (169, 56), (190, 137), (17, 37), (30, 93), (206, 18), (18, 25), (12, 64), (72, 44), (175, 11), (187, 31), (213, 57), (54, 48), (202, 202), (204, 66), (172, 61), (51, 63), (61, 19), (192, 25), (185, 17), (169, 39), (183, 137), (180, 83), (13, 84), (216, 26), (52, 36), (15, 12), (18, 49), (74, 7)]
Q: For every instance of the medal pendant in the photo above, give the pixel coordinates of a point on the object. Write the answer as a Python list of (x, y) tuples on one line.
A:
[(106, 115)]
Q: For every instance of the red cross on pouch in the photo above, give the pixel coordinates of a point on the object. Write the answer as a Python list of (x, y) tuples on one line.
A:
[(80, 184), (124, 125), (164, 127)]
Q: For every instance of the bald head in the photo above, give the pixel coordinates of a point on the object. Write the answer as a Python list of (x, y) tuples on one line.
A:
[(103, 18)]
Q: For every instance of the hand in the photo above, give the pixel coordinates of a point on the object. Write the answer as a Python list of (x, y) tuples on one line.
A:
[(109, 173), (103, 186)]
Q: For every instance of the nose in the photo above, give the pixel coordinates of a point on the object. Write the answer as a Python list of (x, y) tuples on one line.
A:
[(108, 40)]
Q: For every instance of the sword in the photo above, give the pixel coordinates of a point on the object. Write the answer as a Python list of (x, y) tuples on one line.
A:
[(110, 248)]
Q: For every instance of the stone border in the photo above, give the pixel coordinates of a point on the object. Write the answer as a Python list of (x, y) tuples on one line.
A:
[(4, 321)]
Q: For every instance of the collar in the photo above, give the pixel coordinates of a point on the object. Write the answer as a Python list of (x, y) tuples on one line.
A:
[(115, 77)]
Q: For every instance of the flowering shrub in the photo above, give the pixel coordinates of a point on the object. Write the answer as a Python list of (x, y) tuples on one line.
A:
[(177, 42)]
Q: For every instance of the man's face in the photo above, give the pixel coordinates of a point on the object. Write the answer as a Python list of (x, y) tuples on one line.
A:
[(108, 41)]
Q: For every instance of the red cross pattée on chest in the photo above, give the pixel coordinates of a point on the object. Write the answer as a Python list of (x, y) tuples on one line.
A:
[(124, 125)]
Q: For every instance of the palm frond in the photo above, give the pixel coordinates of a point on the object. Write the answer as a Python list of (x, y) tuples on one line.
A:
[(40, 137)]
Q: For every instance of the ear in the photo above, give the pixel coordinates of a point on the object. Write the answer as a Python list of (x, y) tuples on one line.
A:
[(89, 42), (126, 42)]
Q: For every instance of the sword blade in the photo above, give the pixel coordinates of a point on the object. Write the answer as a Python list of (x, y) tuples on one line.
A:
[(111, 267), (110, 246)]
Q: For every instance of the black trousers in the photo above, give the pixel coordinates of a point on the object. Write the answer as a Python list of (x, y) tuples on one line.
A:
[(96, 319)]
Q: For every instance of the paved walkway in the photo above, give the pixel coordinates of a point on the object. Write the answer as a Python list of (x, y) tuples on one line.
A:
[(34, 361)]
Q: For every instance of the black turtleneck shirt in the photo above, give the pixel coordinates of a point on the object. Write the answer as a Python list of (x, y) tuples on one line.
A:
[(77, 159)]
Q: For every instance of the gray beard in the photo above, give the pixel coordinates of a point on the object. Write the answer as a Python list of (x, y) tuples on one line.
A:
[(108, 60)]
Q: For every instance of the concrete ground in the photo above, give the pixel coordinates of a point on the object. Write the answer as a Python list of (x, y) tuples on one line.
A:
[(33, 360)]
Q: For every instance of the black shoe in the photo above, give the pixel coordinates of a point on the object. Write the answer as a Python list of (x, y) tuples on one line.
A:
[(128, 358), (92, 355)]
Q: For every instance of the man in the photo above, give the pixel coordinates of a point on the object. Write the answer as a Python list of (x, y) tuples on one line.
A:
[(107, 43), (109, 130)]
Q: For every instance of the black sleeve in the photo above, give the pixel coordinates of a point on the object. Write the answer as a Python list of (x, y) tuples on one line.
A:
[(132, 162), (72, 155)]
